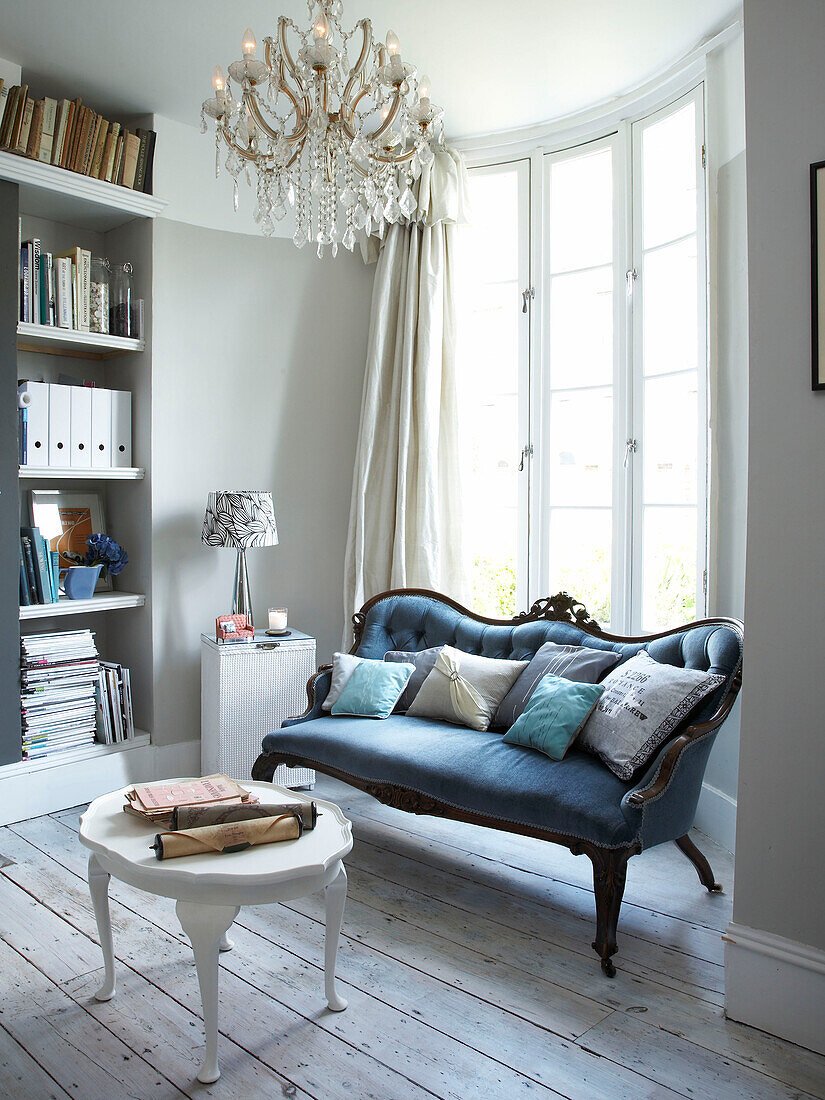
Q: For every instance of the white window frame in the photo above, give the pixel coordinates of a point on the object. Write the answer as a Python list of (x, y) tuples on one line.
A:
[(532, 568)]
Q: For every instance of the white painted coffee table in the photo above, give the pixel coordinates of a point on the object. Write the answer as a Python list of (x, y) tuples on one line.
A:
[(210, 889)]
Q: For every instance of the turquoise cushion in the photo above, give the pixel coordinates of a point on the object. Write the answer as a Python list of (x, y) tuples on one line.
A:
[(373, 689), (553, 716)]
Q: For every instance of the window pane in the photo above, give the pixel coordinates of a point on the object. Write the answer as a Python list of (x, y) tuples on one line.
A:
[(670, 439), (669, 571), (581, 211), (581, 328), (489, 348), (491, 246), (669, 294), (669, 177), (580, 556), (581, 433)]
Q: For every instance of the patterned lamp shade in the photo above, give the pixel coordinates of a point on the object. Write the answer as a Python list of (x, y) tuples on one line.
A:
[(239, 520)]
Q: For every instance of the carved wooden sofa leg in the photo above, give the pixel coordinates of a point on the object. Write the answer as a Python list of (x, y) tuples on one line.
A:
[(699, 861), (609, 874)]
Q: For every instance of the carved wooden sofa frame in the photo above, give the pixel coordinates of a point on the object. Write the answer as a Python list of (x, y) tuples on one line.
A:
[(609, 864)]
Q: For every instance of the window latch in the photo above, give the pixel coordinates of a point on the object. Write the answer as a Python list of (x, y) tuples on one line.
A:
[(631, 275), (630, 448), (527, 296), (526, 452)]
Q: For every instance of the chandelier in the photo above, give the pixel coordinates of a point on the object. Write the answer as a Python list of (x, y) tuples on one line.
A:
[(336, 125)]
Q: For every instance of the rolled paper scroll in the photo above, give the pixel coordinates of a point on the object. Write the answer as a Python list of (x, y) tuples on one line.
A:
[(195, 817), (230, 837)]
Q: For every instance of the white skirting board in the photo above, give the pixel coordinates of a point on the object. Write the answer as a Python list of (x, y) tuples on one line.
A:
[(716, 816), (31, 791), (776, 985)]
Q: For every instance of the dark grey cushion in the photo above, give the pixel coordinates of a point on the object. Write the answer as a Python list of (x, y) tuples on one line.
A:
[(423, 661), (573, 662)]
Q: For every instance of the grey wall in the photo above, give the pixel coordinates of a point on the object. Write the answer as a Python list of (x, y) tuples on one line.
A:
[(10, 743), (781, 817), (729, 397), (257, 367)]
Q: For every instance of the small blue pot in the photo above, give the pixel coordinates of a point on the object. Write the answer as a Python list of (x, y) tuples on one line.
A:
[(80, 580)]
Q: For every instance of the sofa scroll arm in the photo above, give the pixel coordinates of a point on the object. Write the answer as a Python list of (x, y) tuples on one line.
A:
[(667, 766), (315, 696)]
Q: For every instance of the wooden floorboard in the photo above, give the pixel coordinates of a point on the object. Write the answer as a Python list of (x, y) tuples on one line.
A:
[(465, 959)]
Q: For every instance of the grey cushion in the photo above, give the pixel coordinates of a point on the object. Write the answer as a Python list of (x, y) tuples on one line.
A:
[(574, 662), (423, 661), (643, 703)]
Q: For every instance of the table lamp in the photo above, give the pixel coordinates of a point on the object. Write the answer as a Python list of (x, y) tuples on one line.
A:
[(240, 520)]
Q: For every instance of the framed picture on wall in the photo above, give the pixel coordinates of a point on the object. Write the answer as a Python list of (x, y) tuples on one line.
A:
[(66, 518), (818, 275)]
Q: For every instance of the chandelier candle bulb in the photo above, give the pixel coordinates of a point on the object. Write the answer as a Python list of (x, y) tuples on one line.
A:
[(249, 45)]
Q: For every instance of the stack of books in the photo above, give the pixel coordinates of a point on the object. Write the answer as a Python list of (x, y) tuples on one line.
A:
[(69, 135), (115, 722), (155, 801), (39, 569), (59, 674), (55, 289)]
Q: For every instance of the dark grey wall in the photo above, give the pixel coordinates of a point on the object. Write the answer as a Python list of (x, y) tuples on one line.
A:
[(9, 527)]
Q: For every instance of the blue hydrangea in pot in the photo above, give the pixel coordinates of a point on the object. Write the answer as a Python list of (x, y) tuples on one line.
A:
[(103, 557)]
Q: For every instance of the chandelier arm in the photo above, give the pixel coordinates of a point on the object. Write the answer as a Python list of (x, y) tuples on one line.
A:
[(402, 158), (288, 60), (245, 153), (391, 116), (357, 69), (350, 108)]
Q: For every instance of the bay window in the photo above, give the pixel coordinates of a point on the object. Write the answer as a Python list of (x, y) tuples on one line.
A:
[(582, 361)]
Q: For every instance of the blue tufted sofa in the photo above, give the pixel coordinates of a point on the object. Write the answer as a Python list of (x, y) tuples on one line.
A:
[(432, 767)]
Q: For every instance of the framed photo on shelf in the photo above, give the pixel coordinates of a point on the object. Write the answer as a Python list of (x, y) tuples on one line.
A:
[(66, 518), (818, 275)]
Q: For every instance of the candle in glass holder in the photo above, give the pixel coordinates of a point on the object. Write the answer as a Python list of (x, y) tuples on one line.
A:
[(277, 618)]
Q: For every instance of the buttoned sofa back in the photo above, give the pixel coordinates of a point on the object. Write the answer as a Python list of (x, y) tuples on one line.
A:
[(412, 622)]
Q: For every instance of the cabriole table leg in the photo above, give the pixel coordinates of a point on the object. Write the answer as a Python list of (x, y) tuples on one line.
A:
[(206, 925), (335, 896), (99, 889)]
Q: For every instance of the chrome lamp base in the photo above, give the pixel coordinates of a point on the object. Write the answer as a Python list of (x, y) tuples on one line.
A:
[(241, 600)]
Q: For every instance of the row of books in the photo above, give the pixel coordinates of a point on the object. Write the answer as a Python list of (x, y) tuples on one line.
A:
[(39, 569), (55, 290), (115, 720), (59, 675), (68, 134)]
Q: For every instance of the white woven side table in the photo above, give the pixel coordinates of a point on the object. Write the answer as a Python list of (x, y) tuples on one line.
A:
[(247, 690)]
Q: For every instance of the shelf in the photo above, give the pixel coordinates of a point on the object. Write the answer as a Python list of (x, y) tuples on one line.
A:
[(50, 340), (106, 601), (81, 473), (84, 752), (47, 191)]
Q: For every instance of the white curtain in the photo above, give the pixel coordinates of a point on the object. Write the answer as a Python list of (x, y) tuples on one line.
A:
[(405, 515)]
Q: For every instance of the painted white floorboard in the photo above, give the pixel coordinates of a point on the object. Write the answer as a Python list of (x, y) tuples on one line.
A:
[(465, 958)]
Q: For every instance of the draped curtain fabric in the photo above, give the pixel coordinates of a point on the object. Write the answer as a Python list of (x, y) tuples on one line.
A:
[(405, 514)]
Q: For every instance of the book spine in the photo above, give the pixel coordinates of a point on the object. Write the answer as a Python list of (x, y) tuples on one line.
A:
[(19, 110), (44, 152), (7, 102), (43, 299), (51, 311), (85, 289), (34, 281), (25, 125), (150, 161), (140, 166), (25, 313), (100, 145), (55, 557), (31, 571), (64, 292), (36, 130), (25, 593)]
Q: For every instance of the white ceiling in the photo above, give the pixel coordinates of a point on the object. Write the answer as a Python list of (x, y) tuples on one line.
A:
[(494, 65)]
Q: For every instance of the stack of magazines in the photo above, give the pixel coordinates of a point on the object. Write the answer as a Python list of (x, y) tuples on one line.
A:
[(114, 704), (156, 801), (59, 675)]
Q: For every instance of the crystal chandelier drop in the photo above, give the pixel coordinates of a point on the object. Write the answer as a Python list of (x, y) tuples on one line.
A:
[(336, 125)]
